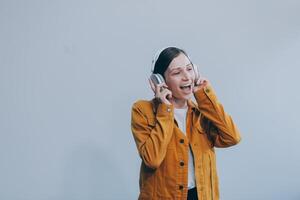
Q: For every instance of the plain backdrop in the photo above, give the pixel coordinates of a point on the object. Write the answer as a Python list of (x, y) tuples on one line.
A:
[(71, 70)]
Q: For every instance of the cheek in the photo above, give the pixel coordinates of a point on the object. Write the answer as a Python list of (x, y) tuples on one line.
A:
[(172, 84)]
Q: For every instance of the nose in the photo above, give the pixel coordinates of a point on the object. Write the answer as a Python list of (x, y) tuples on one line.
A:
[(186, 75)]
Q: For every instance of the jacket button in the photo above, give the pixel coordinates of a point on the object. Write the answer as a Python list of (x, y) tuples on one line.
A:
[(181, 141), (207, 90), (180, 187), (181, 163)]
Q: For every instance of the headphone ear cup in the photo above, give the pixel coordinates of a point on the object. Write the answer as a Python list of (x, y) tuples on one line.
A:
[(157, 79), (197, 74)]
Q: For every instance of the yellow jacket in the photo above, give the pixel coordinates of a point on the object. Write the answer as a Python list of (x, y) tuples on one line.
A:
[(164, 148)]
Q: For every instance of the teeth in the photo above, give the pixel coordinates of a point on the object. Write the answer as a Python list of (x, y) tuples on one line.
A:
[(185, 86)]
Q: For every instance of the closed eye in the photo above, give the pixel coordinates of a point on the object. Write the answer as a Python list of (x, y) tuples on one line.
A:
[(189, 68)]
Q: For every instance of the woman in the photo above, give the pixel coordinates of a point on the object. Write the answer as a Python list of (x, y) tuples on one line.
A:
[(175, 136)]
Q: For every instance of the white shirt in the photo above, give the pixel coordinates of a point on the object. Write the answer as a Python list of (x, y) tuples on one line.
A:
[(180, 116)]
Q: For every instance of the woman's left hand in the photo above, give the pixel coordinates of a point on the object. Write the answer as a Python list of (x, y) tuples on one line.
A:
[(200, 84)]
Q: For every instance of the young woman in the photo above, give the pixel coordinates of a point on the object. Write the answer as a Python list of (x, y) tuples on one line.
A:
[(175, 136)]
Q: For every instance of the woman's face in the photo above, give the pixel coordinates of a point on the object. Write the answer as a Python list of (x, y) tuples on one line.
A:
[(180, 77)]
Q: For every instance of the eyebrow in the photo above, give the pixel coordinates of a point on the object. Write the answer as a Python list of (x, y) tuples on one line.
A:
[(180, 67)]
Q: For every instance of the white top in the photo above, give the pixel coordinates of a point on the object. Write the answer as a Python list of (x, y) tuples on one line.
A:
[(180, 116)]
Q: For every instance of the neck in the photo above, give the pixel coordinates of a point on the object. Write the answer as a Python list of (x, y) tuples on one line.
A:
[(179, 103)]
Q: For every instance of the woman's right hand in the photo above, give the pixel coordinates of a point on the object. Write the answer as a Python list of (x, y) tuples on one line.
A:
[(161, 92)]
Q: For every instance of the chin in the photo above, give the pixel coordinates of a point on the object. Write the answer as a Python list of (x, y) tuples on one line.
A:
[(182, 96), (189, 97), (186, 97)]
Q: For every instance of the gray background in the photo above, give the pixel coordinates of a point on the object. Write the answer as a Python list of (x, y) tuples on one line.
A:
[(70, 71)]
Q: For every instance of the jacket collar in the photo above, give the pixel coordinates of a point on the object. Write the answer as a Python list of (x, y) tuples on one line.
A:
[(192, 106)]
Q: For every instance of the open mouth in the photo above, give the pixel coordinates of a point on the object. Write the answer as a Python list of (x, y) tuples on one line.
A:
[(186, 87)]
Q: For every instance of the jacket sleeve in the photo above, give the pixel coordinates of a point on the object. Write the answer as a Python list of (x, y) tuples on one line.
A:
[(152, 139), (222, 130)]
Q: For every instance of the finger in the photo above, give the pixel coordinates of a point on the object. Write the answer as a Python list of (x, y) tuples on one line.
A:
[(157, 89), (165, 85), (162, 85), (167, 93), (162, 92), (198, 82), (161, 89), (203, 80), (167, 96)]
